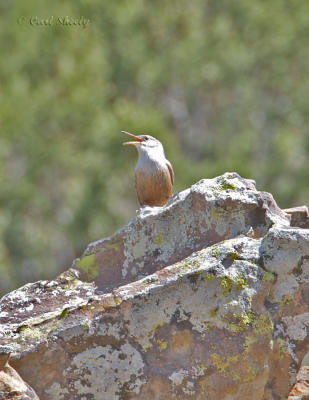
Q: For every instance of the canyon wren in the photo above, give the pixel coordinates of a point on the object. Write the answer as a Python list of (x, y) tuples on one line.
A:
[(154, 175)]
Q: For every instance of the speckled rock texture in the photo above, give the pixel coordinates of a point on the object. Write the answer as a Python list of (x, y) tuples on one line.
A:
[(300, 390), (11, 384), (299, 216), (206, 298)]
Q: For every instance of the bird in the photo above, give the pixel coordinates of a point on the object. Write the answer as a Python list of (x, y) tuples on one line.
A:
[(154, 175)]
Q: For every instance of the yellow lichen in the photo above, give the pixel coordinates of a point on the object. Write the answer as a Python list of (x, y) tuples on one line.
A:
[(203, 386), (250, 374), (224, 184), (213, 312), (283, 349), (284, 301), (225, 283), (162, 345), (35, 333), (111, 301), (206, 326), (215, 253), (229, 368), (263, 324), (221, 365), (208, 278), (240, 282), (228, 186), (232, 256), (249, 341), (32, 334), (242, 321), (217, 214), (157, 325), (200, 365), (268, 277), (158, 239), (89, 266), (185, 266)]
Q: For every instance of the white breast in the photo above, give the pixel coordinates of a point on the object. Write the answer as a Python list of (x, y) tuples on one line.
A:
[(151, 160)]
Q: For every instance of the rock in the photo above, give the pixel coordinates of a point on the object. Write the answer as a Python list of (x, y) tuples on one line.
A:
[(285, 249), (204, 298), (300, 390), (11, 384), (210, 211), (299, 216)]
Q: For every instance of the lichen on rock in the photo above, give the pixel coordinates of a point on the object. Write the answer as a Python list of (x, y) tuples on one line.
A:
[(204, 298)]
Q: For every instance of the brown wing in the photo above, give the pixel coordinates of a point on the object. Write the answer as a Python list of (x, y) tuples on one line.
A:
[(171, 171)]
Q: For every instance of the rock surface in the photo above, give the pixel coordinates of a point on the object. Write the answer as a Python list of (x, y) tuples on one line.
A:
[(210, 211), (299, 216), (300, 390), (205, 298), (11, 384)]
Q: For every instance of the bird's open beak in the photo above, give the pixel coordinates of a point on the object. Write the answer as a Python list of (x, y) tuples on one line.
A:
[(137, 140)]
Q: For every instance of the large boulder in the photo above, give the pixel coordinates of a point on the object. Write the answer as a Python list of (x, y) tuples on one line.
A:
[(204, 298)]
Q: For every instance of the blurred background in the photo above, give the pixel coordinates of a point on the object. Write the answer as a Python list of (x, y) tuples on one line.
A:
[(223, 84)]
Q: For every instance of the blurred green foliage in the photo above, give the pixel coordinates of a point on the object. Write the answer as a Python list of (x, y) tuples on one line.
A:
[(223, 84)]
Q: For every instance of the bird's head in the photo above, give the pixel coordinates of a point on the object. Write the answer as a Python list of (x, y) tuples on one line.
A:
[(144, 142)]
